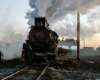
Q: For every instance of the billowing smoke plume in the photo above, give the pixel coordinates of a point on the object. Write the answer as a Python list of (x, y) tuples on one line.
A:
[(61, 15), (36, 5), (71, 6), (56, 9)]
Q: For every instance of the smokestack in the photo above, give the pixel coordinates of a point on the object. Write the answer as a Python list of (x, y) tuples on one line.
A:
[(78, 36)]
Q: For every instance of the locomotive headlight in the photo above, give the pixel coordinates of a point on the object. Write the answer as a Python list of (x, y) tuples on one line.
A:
[(39, 23)]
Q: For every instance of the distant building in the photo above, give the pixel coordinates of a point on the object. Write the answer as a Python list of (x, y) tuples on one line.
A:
[(88, 50), (97, 50)]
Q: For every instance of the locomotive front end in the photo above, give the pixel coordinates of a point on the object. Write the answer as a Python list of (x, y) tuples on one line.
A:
[(39, 35), (41, 44)]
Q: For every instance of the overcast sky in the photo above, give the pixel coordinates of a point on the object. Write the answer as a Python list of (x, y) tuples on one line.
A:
[(17, 15)]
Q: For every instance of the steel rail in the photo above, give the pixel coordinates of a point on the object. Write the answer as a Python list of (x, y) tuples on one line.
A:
[(42, 72), (14, 73)]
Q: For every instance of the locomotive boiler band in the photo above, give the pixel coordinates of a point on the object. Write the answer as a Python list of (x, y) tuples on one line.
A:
[(41, 44)]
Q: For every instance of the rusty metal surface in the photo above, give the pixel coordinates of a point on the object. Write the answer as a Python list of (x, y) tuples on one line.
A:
[(39, 37)]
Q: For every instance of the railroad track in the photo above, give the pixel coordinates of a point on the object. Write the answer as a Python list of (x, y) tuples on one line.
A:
[(28, 73)]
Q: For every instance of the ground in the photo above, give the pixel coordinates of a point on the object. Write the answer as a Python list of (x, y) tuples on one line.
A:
[(64, 68), (69, 68), (8, 67)]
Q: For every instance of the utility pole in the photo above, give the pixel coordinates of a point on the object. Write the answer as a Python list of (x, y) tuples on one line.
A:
[(78, 36)]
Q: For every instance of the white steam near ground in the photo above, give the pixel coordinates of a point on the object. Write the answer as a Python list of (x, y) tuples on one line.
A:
[(12, 40), (12, 37), (62, 17)]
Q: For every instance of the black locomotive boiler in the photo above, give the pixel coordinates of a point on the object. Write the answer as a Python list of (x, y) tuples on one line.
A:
[(41, 43)]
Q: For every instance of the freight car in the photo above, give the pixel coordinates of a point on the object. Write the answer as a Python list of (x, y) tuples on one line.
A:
[(41, 43)]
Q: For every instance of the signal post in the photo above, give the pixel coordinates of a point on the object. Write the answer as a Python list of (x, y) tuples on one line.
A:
[(78, 36)]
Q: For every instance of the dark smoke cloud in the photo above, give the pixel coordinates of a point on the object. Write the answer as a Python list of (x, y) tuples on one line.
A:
[(55, 10), (76, 5), (52, 9), (61, 12), (32, 3), (31, 15), (39, 9)]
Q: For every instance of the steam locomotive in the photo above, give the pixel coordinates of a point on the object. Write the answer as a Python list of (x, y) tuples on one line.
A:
[(41, 43)]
